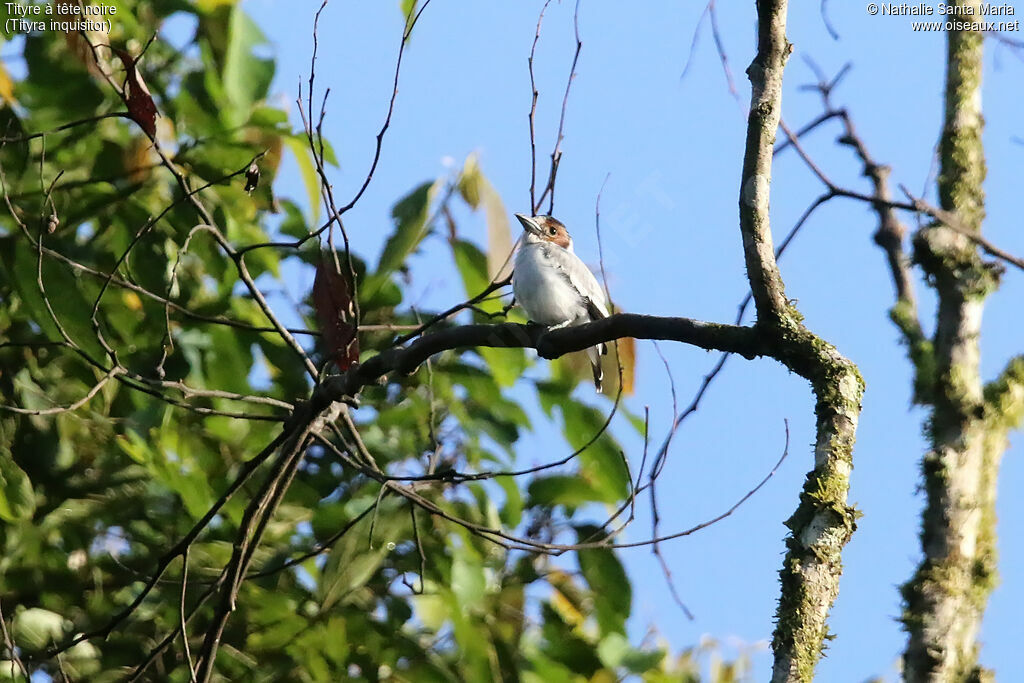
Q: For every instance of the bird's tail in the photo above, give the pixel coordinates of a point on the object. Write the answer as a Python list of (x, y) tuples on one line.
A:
[(594, 354)]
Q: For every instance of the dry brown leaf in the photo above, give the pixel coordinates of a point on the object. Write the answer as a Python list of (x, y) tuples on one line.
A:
[(332, 301)]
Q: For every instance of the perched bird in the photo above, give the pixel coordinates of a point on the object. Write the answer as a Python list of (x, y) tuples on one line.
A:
[(553, 286)]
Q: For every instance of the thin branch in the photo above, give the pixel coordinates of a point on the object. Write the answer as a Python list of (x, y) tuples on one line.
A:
[(950, 220), (12, 650), (722, 56), (177, 550), (533, 109), (718, 518), (182, 619), (469, 303), (556, 153), (70, 407), (67, 126)]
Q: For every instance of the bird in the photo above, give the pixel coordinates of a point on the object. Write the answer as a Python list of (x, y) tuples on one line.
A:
[(553, 286)]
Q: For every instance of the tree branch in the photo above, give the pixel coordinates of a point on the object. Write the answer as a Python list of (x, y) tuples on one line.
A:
[(765, 74), (549, 344), (822, 523)]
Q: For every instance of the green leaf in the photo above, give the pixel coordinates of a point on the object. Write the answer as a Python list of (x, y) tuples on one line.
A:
[(330, 157), (336, 641), (228, 360), (616, 652), (507, 365), (64, 293), (352, 562), (547, 670), (294, 223), (476, 650), (601, 462), (10, 671), (35, 628), (348, 570), (512, 511), (636, 421), (408, 8), (269, 118), (17, 501), (310, 178), (468, 582), (565, 646), (246, 77), (561, 489), (472, 266), (613, 594), (82, 660), (410, 217), (432, 609)]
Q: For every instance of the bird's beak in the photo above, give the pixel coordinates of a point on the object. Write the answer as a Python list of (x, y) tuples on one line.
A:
[(529, 225)]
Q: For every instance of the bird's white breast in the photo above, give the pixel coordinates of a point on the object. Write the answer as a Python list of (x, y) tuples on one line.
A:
[(542, 288)]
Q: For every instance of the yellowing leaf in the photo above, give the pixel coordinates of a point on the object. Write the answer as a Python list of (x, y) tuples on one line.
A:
[(566, 609), (566, 598), (499, 239), (6, 86), (431, 610), (132, 300), (138, 158), (469, 181), (476, 190), (213, 5), (621, 351)]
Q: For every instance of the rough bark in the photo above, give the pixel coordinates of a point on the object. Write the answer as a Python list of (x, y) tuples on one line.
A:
[(823, 522), (945, 600)]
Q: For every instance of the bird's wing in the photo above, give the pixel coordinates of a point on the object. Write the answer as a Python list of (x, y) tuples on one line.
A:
[(587, 285), (584, 282)]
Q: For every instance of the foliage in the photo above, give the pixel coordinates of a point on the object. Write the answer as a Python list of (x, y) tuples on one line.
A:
[(117, 301)]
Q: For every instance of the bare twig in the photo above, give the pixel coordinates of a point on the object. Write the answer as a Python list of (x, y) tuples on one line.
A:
[(177, 550), (12, 650), (556, 153), (70, 407), (182, 619), (533, 109)]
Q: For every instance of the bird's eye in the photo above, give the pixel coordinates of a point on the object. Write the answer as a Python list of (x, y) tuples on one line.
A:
[(552, 232)]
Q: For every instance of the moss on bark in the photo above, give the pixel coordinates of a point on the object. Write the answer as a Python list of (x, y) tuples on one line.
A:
[(945, 599)]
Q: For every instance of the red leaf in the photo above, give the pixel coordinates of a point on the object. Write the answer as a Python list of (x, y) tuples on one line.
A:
[(332, 300), (140, 103)]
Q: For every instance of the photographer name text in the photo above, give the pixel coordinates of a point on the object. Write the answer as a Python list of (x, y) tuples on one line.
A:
[(922, 9)]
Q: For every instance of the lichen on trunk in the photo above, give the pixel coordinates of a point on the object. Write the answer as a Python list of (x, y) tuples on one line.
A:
[(945, 599), (823, 522)]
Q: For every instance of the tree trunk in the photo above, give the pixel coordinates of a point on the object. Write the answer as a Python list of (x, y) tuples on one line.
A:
[(945, 600)]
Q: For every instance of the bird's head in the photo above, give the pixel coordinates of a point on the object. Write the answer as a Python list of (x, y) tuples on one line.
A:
[(545, 229)]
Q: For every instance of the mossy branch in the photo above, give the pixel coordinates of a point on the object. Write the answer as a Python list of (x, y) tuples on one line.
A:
[(945, 599), (823, 522), (1004, 397)]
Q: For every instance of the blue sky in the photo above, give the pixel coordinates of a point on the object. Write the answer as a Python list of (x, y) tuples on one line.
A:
[(673, 148)]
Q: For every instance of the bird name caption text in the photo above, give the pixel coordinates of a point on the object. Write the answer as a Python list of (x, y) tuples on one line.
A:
[(25, 18)]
